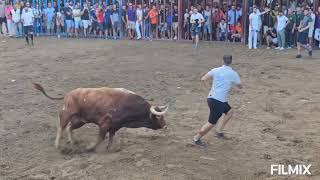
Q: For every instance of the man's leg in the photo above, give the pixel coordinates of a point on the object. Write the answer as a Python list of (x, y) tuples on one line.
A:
[(203, 131), (250, 39), (255, 34), (224, 119)]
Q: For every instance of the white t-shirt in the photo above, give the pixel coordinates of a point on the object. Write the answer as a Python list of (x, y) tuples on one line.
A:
[(282, 20), (16, 15), (27, 17), (223, 79), (313, 17), (139, 15), (196, 16), (255, 18), (76, 14)]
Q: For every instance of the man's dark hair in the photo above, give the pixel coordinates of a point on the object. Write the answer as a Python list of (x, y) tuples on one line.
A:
[(227, 59)]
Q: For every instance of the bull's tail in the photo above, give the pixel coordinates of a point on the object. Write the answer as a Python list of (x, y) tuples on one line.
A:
[(40, 88)]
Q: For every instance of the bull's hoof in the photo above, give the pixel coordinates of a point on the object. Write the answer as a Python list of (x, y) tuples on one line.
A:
[(90, 149)]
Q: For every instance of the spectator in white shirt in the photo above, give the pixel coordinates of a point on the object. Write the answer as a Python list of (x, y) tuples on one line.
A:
[(254, 27), (138, 21), (16, 18), (282, 22), (27, 18), (196, 20)]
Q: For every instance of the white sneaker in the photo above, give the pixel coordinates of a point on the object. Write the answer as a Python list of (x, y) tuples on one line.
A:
[(268, 47), (277, 48), (281, 49)]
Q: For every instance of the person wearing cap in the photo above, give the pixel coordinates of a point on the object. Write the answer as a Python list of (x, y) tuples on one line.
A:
[(223, 79)]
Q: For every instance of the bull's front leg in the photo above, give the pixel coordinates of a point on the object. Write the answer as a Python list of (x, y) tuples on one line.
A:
[(110, 140), (103, 129)]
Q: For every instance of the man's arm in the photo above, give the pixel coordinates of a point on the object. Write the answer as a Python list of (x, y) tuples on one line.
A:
[(266, 11), (205, 80)]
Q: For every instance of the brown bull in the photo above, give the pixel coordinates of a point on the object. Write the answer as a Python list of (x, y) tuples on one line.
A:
[(109, 108)]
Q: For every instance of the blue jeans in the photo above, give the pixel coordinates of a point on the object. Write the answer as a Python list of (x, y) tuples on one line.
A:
[(147, 30), (18, 28), (36, 27), (281, 38)]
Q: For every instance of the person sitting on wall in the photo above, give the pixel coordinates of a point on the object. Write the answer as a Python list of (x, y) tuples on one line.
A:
[(236, 35)]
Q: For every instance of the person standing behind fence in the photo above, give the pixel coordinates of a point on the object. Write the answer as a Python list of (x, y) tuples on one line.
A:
[(139, 17), (2, 17), (37, 18), (282, 22), (254, 27), (317, 26), (303, 31), (153, 15), (85, 19), (168, 23), (59, 22), (27, 18), (100, 21), (146, 22), (290, 30), (107, 22), (115, 21), (69, 18), (10, 23), (16, 18), (124, 24), (196, 20), (207, 25), (131, 18), (311, 29), (49, 14), (175, 22), (77, 19), (233, 17), (186, 20)]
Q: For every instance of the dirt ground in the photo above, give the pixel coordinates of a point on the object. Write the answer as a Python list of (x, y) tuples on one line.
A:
[(276, 114)]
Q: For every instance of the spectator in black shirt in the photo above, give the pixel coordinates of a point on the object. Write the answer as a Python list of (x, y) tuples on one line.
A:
[(271, 37), (175, 24), (124, 21)]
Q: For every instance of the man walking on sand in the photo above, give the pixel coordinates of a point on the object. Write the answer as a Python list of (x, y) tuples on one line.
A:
[(223, 79)]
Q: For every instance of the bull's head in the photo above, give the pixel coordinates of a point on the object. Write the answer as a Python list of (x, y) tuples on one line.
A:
[(156, 116)]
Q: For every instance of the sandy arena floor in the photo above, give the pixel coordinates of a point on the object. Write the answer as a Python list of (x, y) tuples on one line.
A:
[(276, 114)]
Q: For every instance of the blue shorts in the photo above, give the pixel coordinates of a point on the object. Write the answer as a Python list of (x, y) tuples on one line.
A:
[(207, 28), (77, 24), (69, 24), (303, 38), (49, 25), (195, 30)]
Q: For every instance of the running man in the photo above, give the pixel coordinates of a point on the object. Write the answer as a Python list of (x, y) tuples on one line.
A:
[(27, 18), (223, 79)]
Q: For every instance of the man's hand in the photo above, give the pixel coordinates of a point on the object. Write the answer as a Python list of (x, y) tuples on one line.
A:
[(204, 80)]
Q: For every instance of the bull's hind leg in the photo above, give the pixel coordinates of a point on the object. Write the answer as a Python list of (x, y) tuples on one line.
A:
[(59, 134), (74, 124), (104, 127), (65, 118)]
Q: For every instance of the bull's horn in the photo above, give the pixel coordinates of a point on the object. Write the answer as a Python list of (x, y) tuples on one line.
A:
[(164, 109)]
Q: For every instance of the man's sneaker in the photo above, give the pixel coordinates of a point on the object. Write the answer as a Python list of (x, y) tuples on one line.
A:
[(310, 52), (277, 48), (219, 134), (298, 56), (268, 47), (289, 47), (281, 49), (199, 143)]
